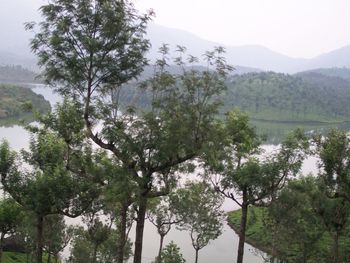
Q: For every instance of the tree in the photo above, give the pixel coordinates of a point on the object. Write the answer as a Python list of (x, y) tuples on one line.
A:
[(91, 49), (198, 208), (47, 187), (237, 173), (57, 235), (295, 228), (10, 217), (162, 216), (171, 254), (332, 201), (334, 153)]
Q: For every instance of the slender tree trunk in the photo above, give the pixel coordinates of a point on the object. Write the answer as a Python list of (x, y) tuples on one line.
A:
[(159, 258), (242, 228), (122, 233), (273, 249), (39, 241), (1, 245), (335, 248), (141, 213), (196, 261), (56, 258), (94, 255), (49, 258)]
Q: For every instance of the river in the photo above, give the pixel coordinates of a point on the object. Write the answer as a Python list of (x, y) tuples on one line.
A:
[(221, 250)]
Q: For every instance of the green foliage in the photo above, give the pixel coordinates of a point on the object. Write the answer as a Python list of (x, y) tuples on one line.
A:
[(16, 101), (171, 254), (334, 153), (96, 240), (198, 208), (279, 97), (13, 257), (102, 43), (10, 215), (302, 224), (343, 73)]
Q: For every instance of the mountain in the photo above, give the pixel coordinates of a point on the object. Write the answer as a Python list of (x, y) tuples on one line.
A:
[(250, 57), (337, 58)]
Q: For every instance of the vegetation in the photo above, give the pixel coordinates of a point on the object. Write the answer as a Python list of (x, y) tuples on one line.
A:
[(343, 73), (112, 162), (198, 209), (237, 173), (307, 97), (171, 254), (16, 101), (14, 257), (308, 220)]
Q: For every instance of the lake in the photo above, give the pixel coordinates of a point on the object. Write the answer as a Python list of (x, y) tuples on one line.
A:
[(220, 250)]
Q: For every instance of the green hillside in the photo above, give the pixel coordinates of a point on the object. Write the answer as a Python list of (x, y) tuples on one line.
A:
[(13, 257), (310, 98), (18, 102), (343, 73)]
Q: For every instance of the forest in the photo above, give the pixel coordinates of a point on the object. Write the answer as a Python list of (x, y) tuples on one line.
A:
[(18, 102), (113, 163)]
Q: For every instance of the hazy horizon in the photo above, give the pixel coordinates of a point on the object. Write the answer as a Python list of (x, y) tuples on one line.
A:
[(294, 28)]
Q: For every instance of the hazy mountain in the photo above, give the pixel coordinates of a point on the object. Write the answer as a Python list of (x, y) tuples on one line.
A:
[(254, 56), (14, 50)]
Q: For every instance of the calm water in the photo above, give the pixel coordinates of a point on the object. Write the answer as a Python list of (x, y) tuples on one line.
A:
[(221, 250)]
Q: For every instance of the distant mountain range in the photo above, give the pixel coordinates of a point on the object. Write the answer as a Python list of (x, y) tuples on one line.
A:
[(249, 58), (252, 56)]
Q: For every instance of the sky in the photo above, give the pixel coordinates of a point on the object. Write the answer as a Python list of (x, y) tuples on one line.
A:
[(297, 28)]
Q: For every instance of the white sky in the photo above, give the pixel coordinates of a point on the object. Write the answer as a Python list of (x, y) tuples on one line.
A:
[(298, 28)]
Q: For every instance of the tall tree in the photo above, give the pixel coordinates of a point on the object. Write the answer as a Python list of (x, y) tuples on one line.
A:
[(295, 228), (10, 217), (333, 150), (198, 209), (238, 174), (57, 236), (162, 216), (91, 49), (45, 186)]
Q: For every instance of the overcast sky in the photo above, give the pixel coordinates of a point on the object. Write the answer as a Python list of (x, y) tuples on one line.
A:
[(298, 28)]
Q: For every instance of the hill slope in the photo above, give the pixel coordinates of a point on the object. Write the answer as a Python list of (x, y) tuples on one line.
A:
[(16, 102), (307, 97)]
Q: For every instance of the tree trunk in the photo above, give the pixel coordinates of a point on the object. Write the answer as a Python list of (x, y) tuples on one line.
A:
[(335, 248), (122, 233), (49, 258), (273, 249), (94, 255), (56, 258), (141, 213), (159, 258), (1, 245), (39, 241), (242, 229), (196, 261)]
